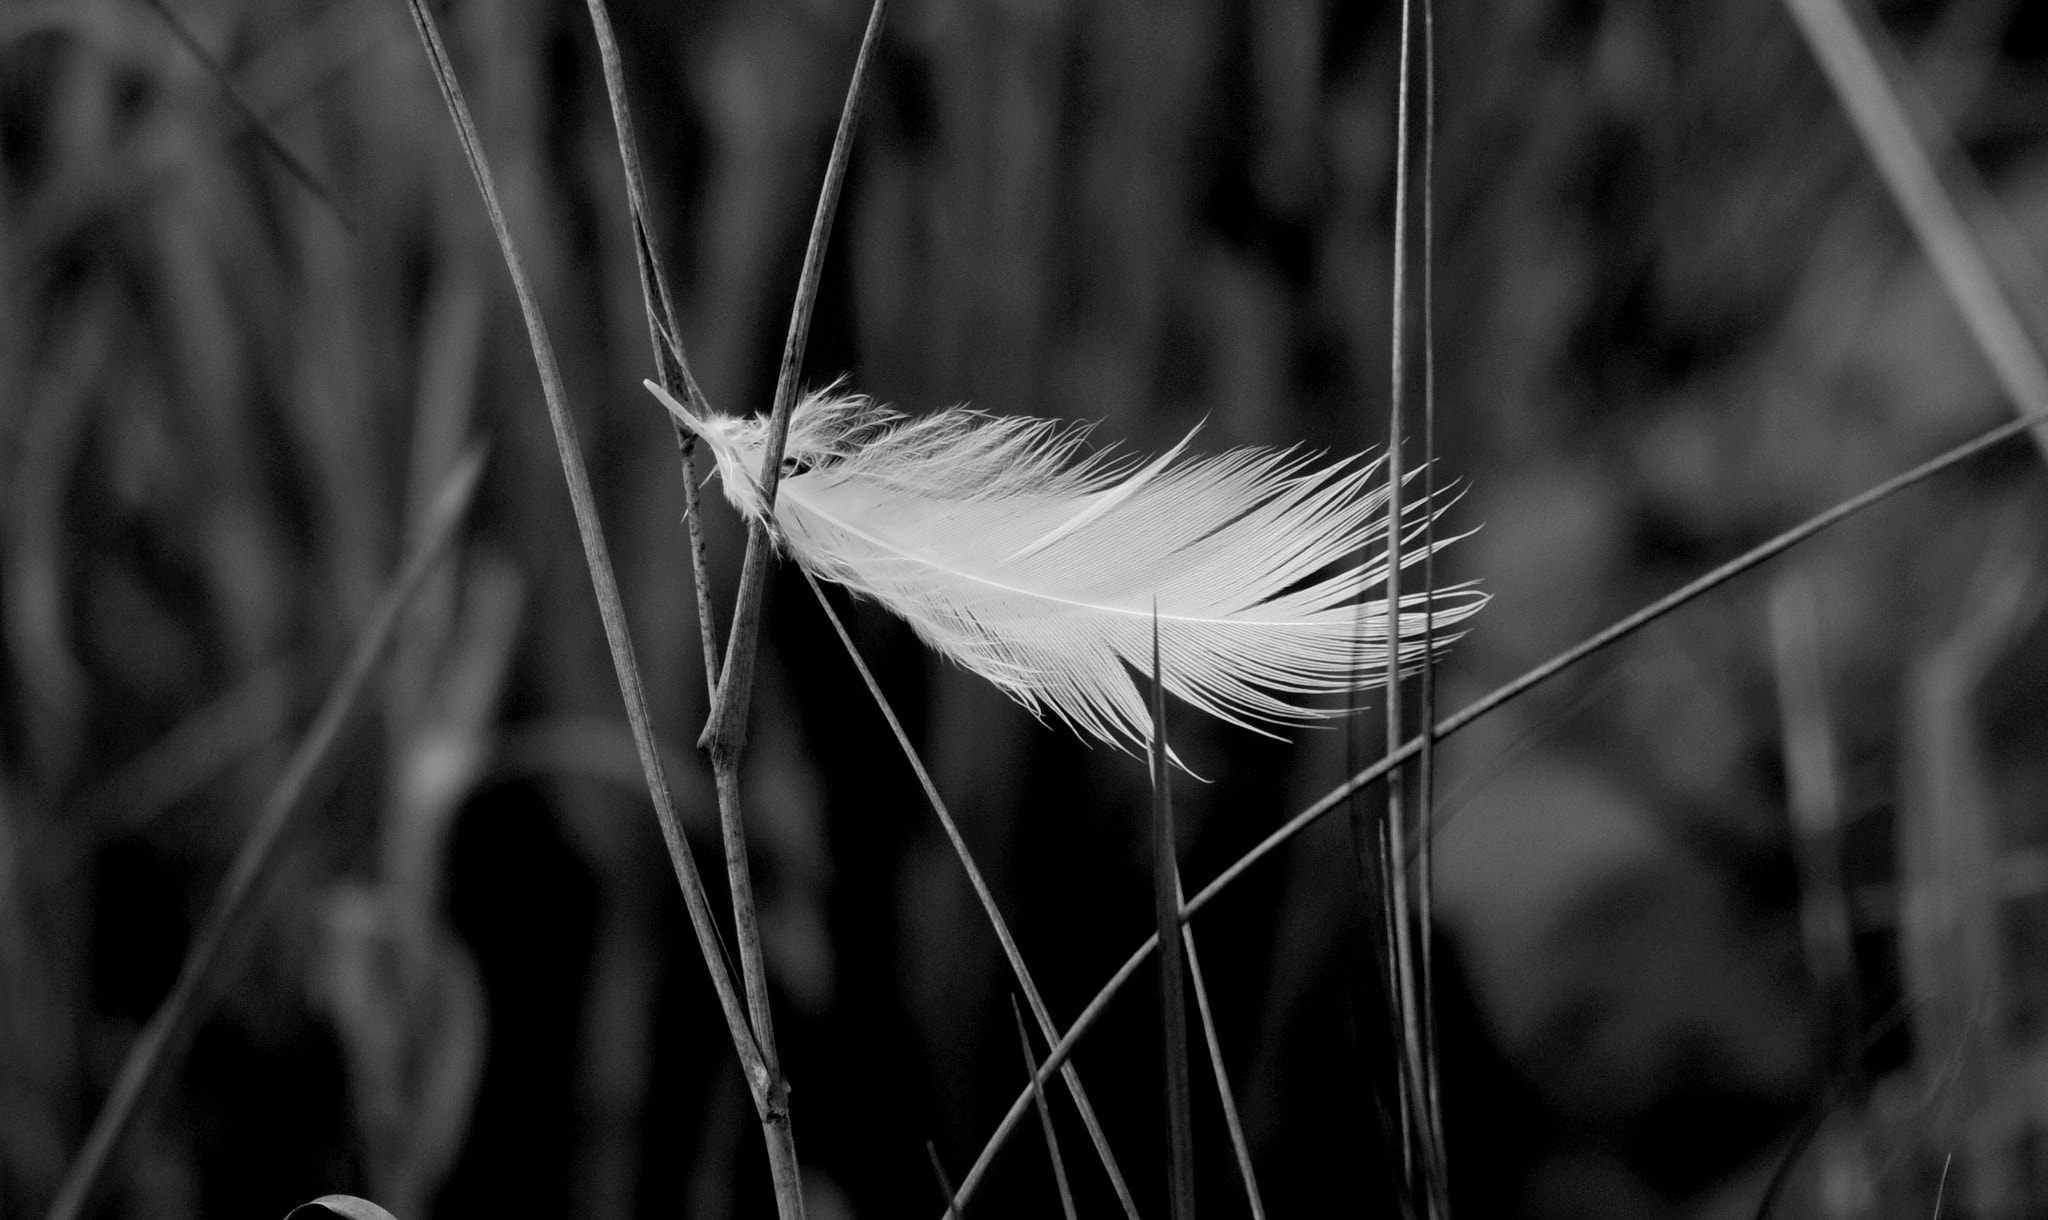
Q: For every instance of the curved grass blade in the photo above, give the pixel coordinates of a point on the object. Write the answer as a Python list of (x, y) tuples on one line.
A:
[(954, 1206), (348, 1206), (1052, 1139), (1425, 871), (1173, 994), (1472, 712), (1238, 1145)]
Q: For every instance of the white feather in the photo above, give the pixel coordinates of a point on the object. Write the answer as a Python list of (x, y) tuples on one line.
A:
[(1040, 568)]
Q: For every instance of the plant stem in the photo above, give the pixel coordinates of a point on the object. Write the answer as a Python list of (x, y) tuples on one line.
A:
[(1173, 996), (672, 368), (611, 609), (724, 737), (1052, 1139), (726, 729)]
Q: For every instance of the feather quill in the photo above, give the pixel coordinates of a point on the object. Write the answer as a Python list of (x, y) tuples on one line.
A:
[(1040, 567)]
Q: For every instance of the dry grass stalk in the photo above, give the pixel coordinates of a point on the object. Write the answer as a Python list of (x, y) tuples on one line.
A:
[(768, 1102), (725, 731)]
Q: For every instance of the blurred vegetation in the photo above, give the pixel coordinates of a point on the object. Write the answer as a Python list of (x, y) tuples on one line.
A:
[(1676, 313)]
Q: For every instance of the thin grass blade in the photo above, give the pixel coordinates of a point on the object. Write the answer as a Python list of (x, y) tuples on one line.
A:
[(955, 1206), (266, 132), (1425, 872), (1039, 1013), (163, 1040), (1882, 122), (672, 368), (1394, 827), (1173, 995), (1052, 1139), (726, 729), (1409, 908), (1238, 1144)]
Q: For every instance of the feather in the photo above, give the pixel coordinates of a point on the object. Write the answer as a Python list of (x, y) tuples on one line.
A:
[(1040, 567)]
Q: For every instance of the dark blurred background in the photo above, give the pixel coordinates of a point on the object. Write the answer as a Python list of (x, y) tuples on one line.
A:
[(1676, 312)]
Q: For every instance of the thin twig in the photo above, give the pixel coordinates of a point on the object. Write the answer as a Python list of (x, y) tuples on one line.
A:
[(672, 367), (1052, 1139), (163, 1041), (266, 134), (605, 584), (1238, 1144), (1173, 995), (1056, 1059), (1057, 1056), (1390, 958), (1040, 1014), (1886, 128), (725, 729)]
